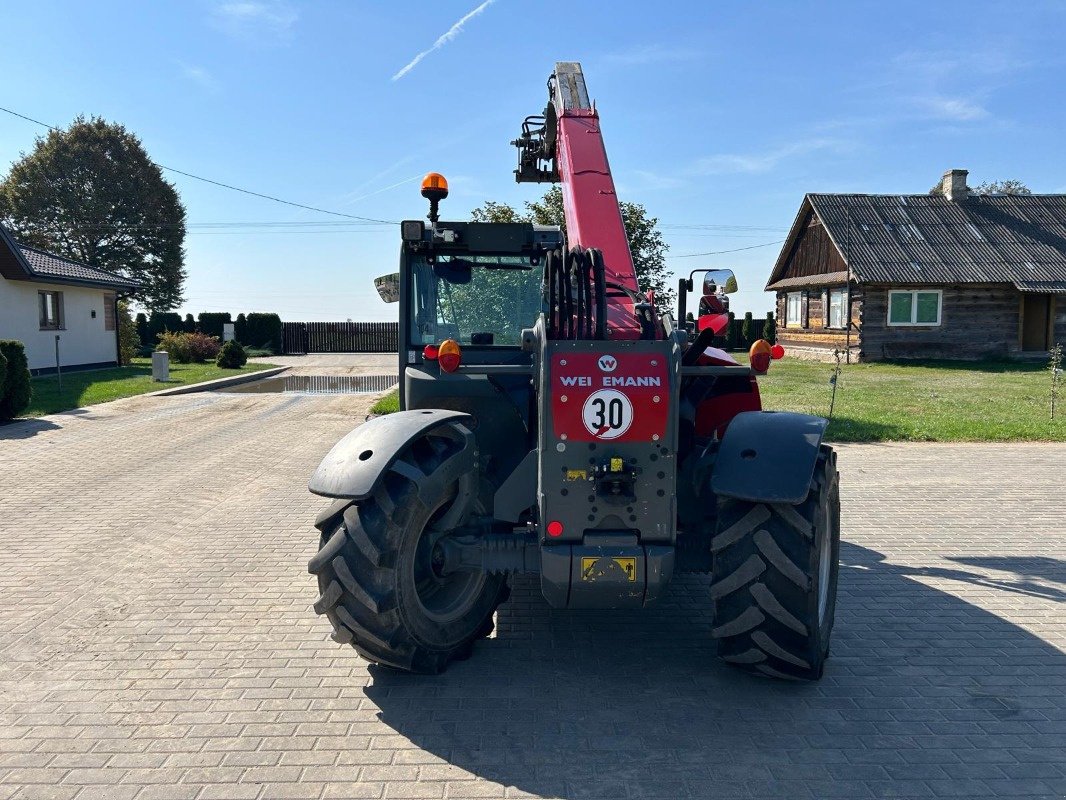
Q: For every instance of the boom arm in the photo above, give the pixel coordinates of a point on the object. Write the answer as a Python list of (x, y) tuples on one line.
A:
[(589, 200), (569, 139)]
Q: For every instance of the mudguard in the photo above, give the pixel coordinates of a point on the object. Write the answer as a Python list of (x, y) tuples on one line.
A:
[(355, 465), (768, 457)]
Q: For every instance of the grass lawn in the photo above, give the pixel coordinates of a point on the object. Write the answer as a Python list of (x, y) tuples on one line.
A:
[(387, 404), (100, 385), (932, 401)]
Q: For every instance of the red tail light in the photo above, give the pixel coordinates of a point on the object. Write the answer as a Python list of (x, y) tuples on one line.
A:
[(777, 352), (429, 352)]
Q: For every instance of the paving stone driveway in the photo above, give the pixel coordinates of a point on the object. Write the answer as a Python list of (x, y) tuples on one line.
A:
[(157, 640)]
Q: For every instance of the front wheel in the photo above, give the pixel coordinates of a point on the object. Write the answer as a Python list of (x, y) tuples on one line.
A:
[(775, 579), (379, 572)]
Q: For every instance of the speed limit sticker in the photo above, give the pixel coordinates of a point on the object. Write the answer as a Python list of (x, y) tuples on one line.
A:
[(607, 414)]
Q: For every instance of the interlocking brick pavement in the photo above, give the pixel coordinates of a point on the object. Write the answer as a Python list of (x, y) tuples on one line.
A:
[(157, 640)]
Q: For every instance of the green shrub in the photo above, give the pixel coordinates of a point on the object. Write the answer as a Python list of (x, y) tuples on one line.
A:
[(142, 329), (769, 328), (129, 341), (747, 330), (187, 348), (257, 352), (264, 330), (16, 390), (212, 322), (240, 329), (189, 324), (231, 356)]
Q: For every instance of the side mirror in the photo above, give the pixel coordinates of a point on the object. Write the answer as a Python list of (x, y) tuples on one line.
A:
[(388, 287), (719, 281)]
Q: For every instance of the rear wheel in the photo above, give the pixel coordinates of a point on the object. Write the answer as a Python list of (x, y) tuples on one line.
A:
[(379, 571), (775, 579)]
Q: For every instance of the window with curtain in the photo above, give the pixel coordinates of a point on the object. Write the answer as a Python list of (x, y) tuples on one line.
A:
[(837, 316), (51, 310), (794, 310)]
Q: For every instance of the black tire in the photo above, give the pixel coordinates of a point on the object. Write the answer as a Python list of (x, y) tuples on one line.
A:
[(375, 571), (771, 616)]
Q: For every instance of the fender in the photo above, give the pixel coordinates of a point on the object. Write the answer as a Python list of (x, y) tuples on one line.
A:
[(768, 457), (356, 464)]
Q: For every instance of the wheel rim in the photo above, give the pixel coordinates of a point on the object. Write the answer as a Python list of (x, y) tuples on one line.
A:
[(824, 566), (446, 597)]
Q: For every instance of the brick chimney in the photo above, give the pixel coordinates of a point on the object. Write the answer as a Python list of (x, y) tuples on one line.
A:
[(954, 184)]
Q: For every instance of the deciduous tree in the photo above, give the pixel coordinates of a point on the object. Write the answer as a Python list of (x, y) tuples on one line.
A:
[(92, 194), (646, 242)]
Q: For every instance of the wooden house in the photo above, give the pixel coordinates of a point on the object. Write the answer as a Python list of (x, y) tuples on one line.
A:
[(953, 275)]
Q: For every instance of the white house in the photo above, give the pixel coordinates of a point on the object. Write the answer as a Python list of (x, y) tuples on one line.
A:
[(43, 297)]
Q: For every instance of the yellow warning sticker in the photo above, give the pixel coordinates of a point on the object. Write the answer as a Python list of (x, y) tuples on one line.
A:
[(577, 475), (616, 465), (594, 567)]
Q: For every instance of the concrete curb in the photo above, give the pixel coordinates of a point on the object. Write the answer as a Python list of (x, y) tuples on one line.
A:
[(218, 383)]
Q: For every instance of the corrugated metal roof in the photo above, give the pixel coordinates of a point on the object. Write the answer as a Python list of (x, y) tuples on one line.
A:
[(1019, 239), (45, 265)]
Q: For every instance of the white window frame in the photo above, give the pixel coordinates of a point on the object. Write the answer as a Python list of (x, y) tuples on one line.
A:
[(796, 321), (843, 323), (913, 323)]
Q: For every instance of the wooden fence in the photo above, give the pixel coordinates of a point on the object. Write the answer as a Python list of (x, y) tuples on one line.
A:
[(298, 338)]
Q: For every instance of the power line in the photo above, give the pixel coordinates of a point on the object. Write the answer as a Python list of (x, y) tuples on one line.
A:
[(720, 252), (225, 185)]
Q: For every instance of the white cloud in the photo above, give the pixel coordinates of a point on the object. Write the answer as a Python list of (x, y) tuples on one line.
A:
[(443, 39), (199, 75), (726, 163), (254, 19), (954, 109)]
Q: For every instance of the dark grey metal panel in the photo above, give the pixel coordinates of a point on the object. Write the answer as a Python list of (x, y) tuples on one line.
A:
[(768, 456), (356, 463), (518, 492)]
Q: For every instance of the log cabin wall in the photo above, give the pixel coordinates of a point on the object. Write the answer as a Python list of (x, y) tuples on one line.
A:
[(816, 333), (976, 321)]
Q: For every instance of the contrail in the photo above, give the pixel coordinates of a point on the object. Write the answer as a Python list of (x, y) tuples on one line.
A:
[(443, 39)]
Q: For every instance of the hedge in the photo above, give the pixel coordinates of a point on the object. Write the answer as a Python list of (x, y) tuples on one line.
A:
[(240, 328), (161, 321), (264, 330), (142, 329), (16, 389), (212, 322), (189, 325)]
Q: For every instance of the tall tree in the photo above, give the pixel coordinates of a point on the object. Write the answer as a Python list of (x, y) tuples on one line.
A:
[(92, 194), (645, 239)]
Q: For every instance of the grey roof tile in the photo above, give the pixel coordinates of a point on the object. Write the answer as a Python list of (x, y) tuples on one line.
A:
[(46, 265)]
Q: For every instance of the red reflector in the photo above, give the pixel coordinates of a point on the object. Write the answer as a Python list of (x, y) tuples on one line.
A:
[(449, 355), (429, 352), (555, 528), (776, 352)]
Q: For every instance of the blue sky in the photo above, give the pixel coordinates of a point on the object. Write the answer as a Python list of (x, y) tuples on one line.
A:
[(718, 116)]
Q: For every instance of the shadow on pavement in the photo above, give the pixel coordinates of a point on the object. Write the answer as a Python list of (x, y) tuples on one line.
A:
[(25, 428), (925, 695)]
